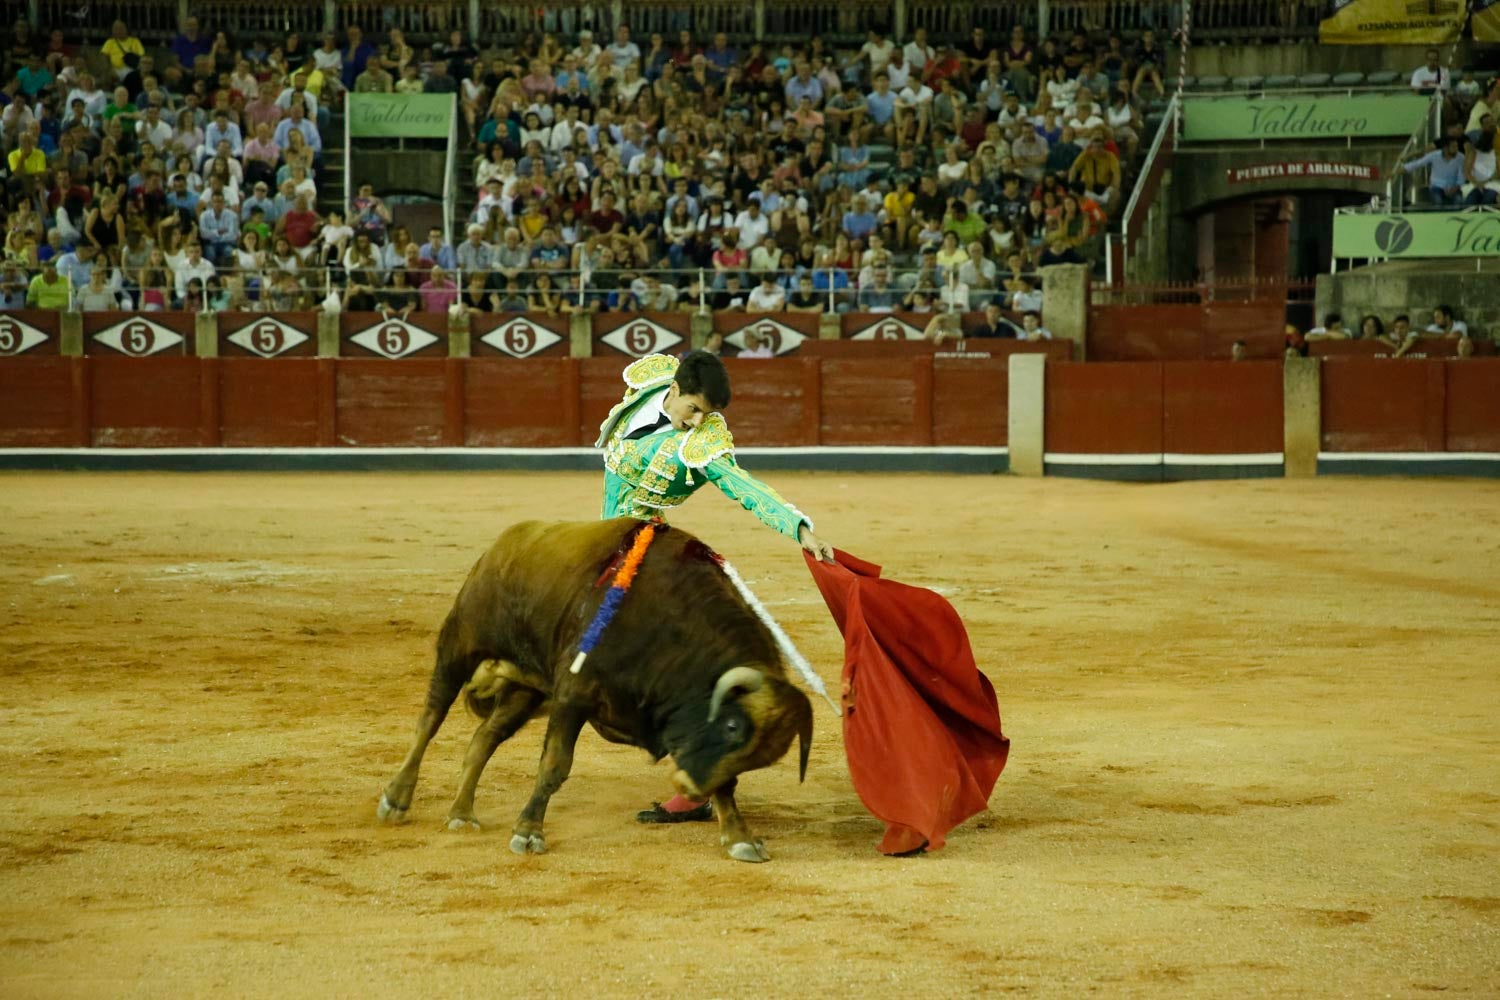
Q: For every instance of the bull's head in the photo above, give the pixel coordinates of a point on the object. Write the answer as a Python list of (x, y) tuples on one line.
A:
[(750, 721)]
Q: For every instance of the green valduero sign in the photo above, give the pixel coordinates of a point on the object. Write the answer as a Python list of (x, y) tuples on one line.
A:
[(405, 116), (1301, 117), (1416, 234)]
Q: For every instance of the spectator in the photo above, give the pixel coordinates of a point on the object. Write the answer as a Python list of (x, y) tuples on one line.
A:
[(120, 47), (878, 296), (995, 325), (48, 290), (193, 267), (374, 79), (473, 253), (1479, 168), (1432, 76), (190, 43), (1445, 182), (806, 299), (96, 296), (1032, 328), (1098, 170), (219, 230), (1444, 325), (355, 55), (1332, 329), (437, 251), (756, 346), (1026, 298), (438, 292), (766, 297), (1371, 328)]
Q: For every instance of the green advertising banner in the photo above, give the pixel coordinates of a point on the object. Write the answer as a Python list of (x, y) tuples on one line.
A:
[(1416, 234), (1301, 117), (405, 116)]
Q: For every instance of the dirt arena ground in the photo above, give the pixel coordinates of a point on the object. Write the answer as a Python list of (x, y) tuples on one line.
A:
[(1254, 751)]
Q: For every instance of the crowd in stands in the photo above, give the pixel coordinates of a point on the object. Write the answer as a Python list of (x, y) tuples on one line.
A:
[(1459, 168), (1402, 336), (919, 174)]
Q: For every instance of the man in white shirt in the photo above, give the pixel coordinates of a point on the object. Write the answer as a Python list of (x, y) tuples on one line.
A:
[(753, 224), (587, 52), (917, 52), (1432, 76), (152, 129), (1027, 298), (193, 265), (562, 132), (623, 52), (914, 99), (1032, 328), (1444, 325), (766, 297), (876, 51), (898, 71), (94, 99)]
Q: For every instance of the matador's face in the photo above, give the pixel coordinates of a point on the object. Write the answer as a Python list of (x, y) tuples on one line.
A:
[(685, 410)]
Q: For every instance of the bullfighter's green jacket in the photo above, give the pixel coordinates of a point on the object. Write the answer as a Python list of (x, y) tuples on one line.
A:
[(647, 476)]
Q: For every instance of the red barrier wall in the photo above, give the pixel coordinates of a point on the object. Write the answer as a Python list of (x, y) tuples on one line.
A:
[(171, 400), (1106, 408), (1222, 407), (31, 332), (1187, 332), (1411, 405)]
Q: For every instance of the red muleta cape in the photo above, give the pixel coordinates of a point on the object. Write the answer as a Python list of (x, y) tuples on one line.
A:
[(921, 723)]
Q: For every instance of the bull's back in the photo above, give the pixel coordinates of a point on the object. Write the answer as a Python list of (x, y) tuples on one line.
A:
[(523, 599)]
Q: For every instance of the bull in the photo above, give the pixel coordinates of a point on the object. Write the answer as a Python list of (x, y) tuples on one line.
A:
[(686, 670)]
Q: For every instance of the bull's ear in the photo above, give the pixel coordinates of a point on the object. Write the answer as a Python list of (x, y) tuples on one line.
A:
[(803, 710)]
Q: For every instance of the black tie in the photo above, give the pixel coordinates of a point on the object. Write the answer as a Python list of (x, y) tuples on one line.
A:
[(640, 432)]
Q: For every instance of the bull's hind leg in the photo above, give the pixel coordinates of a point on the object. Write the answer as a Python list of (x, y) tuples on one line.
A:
[(734, 834), (513, 707), (448, 678), (557, 760)]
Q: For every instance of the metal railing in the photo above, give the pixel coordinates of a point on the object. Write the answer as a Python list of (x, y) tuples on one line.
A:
[(772, 20), (1148, 181)]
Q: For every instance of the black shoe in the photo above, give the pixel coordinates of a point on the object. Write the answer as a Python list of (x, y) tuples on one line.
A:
[(656, 814)]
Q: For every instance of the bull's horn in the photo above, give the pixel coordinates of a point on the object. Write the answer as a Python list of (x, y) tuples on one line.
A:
[(736, 679), (803, 708)]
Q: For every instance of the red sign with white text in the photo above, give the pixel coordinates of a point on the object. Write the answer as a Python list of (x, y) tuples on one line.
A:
[(1303, 170)]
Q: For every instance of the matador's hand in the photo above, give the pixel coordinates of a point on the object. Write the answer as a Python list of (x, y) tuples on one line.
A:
[(814, 545)]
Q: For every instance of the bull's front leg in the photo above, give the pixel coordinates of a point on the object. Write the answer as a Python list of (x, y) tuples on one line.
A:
[(563, 728), (733, 833)]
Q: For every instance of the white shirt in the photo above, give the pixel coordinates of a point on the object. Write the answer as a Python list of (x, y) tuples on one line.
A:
[(646, 416), (916, 55), (898, 75), (1459, 327), (763, 351), (1426, 79), (878, 55), (915, 95), (762, 300), (1025, 302), (752, 230)]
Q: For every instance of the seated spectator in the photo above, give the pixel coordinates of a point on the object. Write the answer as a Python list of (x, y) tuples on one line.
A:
[(1026, 298), (300, 225), (119, 47), (1099, 171), (1445, 181), (806, 299), (437, 251), (979, 273), (1444, 325), (766, 297), (48, 290), (1483, 187), (878, 295), (1371, 328), (756, 346), (193, 268), (218, 230), (1332, 329), (1032, 328), (995, 324), (438, 292)]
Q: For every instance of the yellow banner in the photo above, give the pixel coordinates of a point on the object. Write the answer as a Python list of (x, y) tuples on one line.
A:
[(1487, 20), (1392, 22)]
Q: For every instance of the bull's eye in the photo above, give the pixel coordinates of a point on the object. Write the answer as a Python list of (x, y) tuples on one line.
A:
[(732, 727)]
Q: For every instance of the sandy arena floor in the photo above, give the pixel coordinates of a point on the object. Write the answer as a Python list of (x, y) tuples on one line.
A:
[(1254, 751)]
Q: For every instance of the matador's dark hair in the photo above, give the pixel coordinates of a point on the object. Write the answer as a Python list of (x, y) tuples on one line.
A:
[(701, 373)]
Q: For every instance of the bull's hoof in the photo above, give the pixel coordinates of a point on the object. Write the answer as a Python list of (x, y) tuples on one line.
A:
[(752, 851), (528, 844), (388, 813), (464, 823)]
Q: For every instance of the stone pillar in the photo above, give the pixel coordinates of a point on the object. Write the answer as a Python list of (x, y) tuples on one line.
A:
[(898, 22), (1027, 419), (330, 16), (206, 335), (580, 335), (700, 325), (459, 343), (1302, 407), (1065, 304), (70, 334), (829, 326), (758, 20), (474, 21), (328, 334)]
